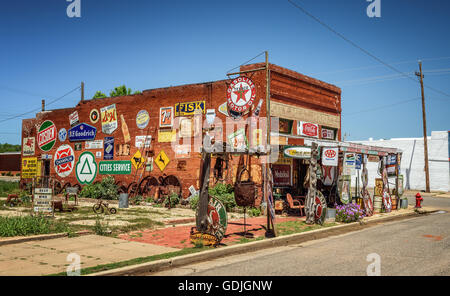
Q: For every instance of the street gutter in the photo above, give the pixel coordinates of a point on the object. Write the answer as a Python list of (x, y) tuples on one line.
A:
[(23, 239), (296, 238)]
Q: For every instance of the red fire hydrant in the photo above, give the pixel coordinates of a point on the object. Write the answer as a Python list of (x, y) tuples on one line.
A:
[(419, 200)]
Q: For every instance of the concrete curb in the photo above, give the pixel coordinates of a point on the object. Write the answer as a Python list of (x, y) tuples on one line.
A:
[(23, 239), (248, 247)]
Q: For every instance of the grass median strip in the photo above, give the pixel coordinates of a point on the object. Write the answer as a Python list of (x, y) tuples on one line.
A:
[(135, 261)]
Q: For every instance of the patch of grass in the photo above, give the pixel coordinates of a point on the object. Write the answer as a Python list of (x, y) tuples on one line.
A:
[(244, 240), (136, 261), (8, 188), (29, 225), (291, 227)]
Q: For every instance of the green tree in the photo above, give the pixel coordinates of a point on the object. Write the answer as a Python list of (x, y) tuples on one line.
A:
[(99, 95), (9, 148), (122, 91)]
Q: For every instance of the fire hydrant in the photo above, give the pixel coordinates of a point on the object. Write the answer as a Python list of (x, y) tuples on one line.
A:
[(419, 200)]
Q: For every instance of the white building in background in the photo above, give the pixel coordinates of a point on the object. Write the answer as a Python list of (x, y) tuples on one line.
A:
[(413, 164)]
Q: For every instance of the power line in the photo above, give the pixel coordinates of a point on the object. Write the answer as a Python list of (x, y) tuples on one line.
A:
[(245, 63), (37, 109), (360, 48)]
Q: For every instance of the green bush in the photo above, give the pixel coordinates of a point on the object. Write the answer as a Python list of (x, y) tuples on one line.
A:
[(224, 193), (29, 225), (254, 212), (174, 200), (193, 201), (9, 174), (106, 189), (18, 175)]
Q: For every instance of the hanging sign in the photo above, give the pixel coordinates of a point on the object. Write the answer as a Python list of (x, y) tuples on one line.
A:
[(166, 117), (281, 174), (109, 119), (330, 156), (46, 135), (373, 158), (142, 119), (30, 167), (378, 190), (167, 136), (327, 133), (73, 118), (94, 115), (349, 163), (62, 135), (64, 160), (86, 168), (188, 108), (241, 94), (162, 160), (307, 129), (108, 148), (238, 140), (28, 146), (82, 132), (140, 140), (298, 152), (137, 160), (97, 144), (358, 161), (117, 167)]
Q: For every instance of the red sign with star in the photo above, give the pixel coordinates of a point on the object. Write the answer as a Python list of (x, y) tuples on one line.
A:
[(241, 94)]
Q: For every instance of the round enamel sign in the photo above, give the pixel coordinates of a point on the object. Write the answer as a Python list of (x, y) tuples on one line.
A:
[(142, 119), (217, 216), (86, 168), (94, 115), (241, 94), (64, 160), (47, 135)]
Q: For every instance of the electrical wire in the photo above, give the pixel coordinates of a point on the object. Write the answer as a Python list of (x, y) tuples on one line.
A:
[(37, 109), (362, 49), (245, 63)]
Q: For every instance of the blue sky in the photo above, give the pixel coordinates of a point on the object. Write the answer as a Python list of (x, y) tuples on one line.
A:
[(150, 44)]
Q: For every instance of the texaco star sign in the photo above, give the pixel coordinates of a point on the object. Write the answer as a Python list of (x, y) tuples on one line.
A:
[(241, 94)]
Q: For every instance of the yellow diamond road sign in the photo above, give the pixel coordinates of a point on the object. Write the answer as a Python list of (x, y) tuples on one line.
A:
[(137, 160), (162, 160)]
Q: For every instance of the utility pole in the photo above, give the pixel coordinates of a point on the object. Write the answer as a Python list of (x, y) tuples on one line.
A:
[(43, 105), (424, 118), (82, 91)]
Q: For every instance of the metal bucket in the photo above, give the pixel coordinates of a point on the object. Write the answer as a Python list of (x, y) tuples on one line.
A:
[(404, 203), (377, 202), (123, 201)]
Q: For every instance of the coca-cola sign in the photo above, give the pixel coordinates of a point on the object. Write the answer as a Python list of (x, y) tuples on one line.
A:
[(308, 129), (281, 174)]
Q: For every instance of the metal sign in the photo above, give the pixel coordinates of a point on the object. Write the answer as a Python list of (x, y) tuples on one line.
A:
[(308, 129), (46, 135), (73, 118), (30, 167), (62, 134), (162, 160), (28, 146), (142, 119), (97, 144), (86, 168), (185, 127), (210, 116), (298, 152), (116, 167), (108, 148), (281, 174), (166, 117), (42, 202), (137, 160), (330, 156), (327, 133), (167, 136), (241, 94), (82, 132), (238, 140), (223, 109), (143, 141), (94, 115), (188, 108), (358, 161), (344, 189), (109, 119), (64, 160)]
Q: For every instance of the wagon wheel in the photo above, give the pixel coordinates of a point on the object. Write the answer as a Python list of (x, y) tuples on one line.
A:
[(121, 187), (174, 181), (146, 184), (132, 188), (78, 186), (58, 187), (65, 186)]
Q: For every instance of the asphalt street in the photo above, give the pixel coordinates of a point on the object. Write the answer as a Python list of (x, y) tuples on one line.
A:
[(416, 246)]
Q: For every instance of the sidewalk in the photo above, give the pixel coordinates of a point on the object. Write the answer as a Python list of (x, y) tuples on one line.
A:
[(50, 256)]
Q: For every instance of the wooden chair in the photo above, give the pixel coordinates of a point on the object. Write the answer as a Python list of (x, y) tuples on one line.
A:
[(296, 204)]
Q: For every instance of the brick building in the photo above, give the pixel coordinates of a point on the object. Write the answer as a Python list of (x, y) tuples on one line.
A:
[(51, 144), (10, 163)]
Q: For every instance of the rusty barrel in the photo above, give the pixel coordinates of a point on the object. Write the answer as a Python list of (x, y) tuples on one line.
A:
[(377, 202), (394, 202)]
